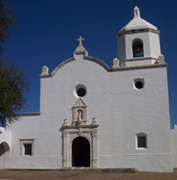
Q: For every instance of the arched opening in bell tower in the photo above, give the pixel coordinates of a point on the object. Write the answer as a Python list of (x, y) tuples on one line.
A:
[(137, 47)]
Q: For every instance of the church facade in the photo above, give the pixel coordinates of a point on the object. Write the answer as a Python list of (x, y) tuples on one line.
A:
[(96, 116)]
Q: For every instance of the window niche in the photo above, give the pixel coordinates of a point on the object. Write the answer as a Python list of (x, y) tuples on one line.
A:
[(141, 141), (137, 46), (26, 147), (139, 83), (79, 112), (80, 91)]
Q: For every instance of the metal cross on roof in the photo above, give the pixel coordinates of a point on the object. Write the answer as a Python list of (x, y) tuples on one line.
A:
[(80, 40)]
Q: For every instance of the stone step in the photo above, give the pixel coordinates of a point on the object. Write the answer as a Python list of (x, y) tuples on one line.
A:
[(85, 169)]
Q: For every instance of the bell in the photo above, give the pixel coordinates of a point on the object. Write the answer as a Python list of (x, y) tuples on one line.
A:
[(138, 49)]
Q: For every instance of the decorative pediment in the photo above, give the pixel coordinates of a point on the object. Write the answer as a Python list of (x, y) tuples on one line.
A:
[(79, 111), (79, 103)]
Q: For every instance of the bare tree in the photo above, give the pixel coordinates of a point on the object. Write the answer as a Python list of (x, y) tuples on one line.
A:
[(13, 81), (13, 84), (7, 19)]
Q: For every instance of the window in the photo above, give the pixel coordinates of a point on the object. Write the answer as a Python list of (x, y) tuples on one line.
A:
[(26, 147), (141, 141), (137, 47), (80, 91), (139, 83)]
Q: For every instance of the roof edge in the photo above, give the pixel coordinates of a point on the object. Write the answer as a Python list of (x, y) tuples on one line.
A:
[(62, 64), (98, 61), (104, 65), (140, 30), (139, 67), (29, 114)]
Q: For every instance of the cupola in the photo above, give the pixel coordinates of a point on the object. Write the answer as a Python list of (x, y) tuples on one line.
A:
[(138, 42)]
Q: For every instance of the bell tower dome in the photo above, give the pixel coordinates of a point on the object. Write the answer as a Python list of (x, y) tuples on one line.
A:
[(138, 43)]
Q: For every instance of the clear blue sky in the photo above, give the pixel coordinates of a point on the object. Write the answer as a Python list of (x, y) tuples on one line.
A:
[(47, 31)]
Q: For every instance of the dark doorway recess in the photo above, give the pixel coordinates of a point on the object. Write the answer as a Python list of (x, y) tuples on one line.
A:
[(80, 152)]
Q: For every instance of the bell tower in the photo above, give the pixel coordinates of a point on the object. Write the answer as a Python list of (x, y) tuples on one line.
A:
[(138, 43)]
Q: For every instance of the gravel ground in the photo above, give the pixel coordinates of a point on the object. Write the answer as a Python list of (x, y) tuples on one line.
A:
[(70, 175)]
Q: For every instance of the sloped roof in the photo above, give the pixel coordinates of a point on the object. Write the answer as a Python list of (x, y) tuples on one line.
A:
[(79, 103), (137, 22)]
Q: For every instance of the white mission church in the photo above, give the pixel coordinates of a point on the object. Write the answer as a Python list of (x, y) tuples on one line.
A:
[(94, 116)]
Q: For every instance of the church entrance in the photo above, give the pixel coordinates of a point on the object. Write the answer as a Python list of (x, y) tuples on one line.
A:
[(80, 152)]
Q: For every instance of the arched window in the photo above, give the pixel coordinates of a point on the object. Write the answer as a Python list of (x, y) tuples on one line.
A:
[(141, 141), (137, 47)]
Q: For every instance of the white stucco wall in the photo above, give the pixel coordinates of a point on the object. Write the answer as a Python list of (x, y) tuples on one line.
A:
[(122, 111), (174, 145), (5, 136), (139, 62)]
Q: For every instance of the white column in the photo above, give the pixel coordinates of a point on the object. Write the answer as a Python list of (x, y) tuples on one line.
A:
[(95, 148), (65, 148)]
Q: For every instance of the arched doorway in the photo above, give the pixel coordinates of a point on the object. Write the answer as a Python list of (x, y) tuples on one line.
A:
[(80, 152)]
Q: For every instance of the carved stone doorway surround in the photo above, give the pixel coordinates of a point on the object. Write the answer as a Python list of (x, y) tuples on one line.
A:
[(79, 128)]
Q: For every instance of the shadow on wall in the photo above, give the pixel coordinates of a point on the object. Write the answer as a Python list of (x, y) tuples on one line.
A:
[(3, 148)]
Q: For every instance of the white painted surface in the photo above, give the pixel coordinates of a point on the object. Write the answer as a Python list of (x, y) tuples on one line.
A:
[(5, 136), (122, 111), (174, 145)]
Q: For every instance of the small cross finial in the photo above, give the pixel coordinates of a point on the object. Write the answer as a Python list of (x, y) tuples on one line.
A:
[(80, 40), (136, 12)]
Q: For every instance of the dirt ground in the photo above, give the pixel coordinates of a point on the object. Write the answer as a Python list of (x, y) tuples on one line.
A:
[(79, 175)]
